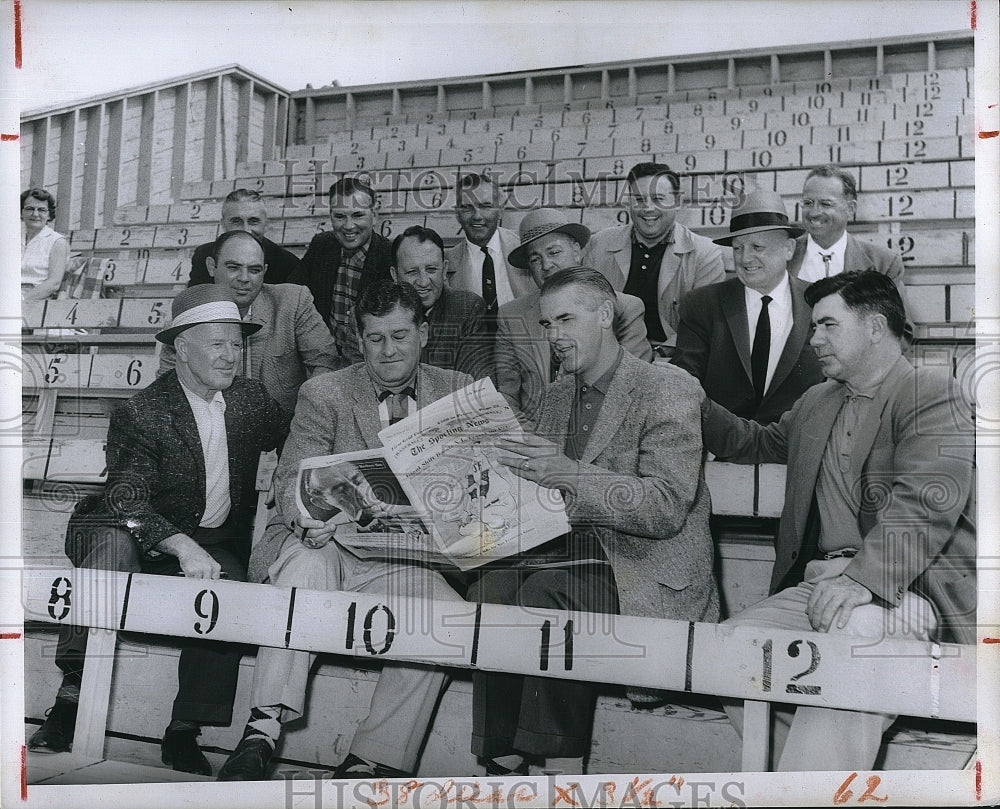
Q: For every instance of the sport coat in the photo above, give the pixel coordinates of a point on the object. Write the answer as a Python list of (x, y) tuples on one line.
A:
[(642, 489), (458, 338), (912, 461), (321, 263), (693, 261), (461, 276), (291, 345), (156, 466), (281, 263), (713, 344), (337, 412), (523, 355)]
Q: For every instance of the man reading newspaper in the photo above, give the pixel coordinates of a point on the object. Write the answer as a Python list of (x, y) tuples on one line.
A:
[(339, 412)]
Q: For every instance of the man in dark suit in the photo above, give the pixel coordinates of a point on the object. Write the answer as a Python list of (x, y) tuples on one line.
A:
[(457, 338), (620, 439), (244, 210), (342, 262), (292, 342), (863, 546), (182, 461), (747, 339), (342, 412)]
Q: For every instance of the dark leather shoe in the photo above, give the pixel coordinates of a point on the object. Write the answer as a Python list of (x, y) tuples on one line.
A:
[(56, 733), (179, 749), (248, 762), (356, 768)]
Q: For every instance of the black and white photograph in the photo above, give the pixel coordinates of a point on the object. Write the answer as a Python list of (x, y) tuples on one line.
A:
[(732, 266)]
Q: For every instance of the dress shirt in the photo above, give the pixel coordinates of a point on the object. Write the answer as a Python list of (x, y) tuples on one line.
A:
[(476, 258), (384, 413), (813, 268), (780, 313), (586, 408), (644, 281), (210, 419)]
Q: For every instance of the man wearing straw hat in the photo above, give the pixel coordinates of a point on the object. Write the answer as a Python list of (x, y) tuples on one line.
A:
[(525, 363), (182, 459), (747, 339)]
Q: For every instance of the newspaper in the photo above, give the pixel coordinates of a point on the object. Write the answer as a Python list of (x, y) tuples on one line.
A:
[(435, 490)]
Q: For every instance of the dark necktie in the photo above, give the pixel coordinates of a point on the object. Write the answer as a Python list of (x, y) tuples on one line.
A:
[(397, 402), (489, 282), (761, 348), (554, 363), (826, 263)]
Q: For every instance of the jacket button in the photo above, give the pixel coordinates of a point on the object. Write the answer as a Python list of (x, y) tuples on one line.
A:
[(795, 554)]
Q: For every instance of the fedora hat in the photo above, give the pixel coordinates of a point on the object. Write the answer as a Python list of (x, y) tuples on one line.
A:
[(542, 222), (205, 303), (760, 211)]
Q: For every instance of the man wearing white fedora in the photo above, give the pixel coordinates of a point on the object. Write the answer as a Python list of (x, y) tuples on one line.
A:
[(747, 339), (182, 459), (524, 362)]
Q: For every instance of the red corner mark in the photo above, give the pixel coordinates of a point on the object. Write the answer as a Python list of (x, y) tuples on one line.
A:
[(972, 14), (17, 34), (991, 640), (991, 134), (979, 781), (24, 773), (5, 136), (9, 635)]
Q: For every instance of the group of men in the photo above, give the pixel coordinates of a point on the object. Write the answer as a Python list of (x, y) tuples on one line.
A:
[(363, 332)]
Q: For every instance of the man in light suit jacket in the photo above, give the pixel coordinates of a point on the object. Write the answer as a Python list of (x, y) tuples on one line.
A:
[(292, 342), (862, 547), (619, 438), (177, 501), (725, 335), (478, 263), (655, 258), (829, 202), (457, 337), (524, 367), (343, 412)]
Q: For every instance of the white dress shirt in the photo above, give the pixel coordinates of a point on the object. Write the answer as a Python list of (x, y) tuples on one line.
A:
[(476, 258), (813, 267), (210, 419), (779, 310)]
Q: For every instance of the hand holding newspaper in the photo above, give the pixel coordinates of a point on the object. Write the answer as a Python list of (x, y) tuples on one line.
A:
[(436, 490)]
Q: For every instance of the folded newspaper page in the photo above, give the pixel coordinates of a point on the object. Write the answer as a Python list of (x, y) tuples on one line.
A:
[(435, 491)]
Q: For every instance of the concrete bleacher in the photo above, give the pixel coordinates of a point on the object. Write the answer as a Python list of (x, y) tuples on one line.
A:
[(896, 113)]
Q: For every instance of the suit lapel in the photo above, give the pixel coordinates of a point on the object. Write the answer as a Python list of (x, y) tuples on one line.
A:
[(815, 436), (868, 429), (801, 321), (366, 408), (554, 422), (734, 309), (622, 253), (617, 402), (800, 251), (854, 257), (261, 312), (182, 419)]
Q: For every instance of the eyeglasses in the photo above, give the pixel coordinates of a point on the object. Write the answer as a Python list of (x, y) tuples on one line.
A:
[(29, 209)]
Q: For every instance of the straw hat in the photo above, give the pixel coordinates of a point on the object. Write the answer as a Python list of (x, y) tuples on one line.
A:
[(760, 211), (542, 222), (205, 303)]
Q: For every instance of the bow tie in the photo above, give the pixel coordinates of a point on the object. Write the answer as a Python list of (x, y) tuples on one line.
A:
[(407, 391)]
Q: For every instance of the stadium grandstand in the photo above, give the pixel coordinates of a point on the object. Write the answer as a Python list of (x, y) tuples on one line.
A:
[(141, 175)]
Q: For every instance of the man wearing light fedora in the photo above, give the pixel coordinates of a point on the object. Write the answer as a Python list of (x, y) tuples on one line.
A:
[(181, 459), (747, 339), (524, 361)]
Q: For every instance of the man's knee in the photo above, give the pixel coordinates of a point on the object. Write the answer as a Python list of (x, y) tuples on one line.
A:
[(99, 546), (298, 566)]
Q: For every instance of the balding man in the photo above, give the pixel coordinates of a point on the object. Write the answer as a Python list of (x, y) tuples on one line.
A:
[(291, 343), (244, 210)]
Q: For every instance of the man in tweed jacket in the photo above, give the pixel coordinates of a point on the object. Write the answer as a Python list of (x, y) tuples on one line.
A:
[(167, 510), (620, 438)]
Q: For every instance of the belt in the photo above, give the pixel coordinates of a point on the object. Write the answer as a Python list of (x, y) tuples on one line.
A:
[(845, 553)]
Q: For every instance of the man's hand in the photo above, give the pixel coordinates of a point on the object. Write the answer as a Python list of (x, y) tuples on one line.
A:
[(315, 533), (195, 561), (834, 600), (538, 460)]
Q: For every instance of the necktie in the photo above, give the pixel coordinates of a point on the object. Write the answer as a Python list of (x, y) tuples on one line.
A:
[(397, 402), (246, 357), (554, 363), (489, 281), (826, 263), (761, 348), (217, 501)]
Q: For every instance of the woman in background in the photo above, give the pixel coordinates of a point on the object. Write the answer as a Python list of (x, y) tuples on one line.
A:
[(44, 253)]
